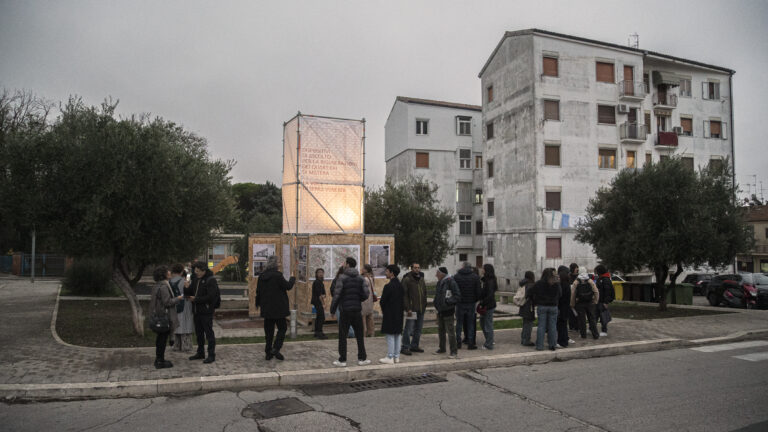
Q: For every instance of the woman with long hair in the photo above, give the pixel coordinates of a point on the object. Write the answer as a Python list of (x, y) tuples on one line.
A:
[(163, 303), (488, 302), (367, 305), (546, 295)]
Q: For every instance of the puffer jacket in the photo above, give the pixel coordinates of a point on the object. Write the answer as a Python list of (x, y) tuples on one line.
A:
[(489, 293), (206, 293), (349, 292), (469, 284)]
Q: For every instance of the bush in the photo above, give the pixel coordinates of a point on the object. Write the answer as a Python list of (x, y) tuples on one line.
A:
[(231, 273), (88, 276)]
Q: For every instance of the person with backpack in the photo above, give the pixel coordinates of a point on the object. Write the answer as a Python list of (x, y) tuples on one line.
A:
[(607, 295), (205, 299), (272, 301), (447, 295), (527, 308), (348, 295), (546, 294), (584, 297)]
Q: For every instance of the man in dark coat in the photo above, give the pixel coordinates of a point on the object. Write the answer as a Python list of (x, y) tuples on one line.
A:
[(318, 301), (466, 316), (415, 306), (272, 299), (447, 294), (348, 295), (205, 299)]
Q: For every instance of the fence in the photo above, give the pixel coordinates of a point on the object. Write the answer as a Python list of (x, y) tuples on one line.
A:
[(45, 264)]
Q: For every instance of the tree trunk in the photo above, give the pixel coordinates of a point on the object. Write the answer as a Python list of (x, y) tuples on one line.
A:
[(661, 277), (673, 278), (120, 279)]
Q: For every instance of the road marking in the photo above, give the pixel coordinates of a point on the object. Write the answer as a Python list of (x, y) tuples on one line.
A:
[(754, 357), (730, 346)]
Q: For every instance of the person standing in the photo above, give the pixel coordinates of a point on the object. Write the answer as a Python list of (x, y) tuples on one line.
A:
[(348, 295), (318, 301), (272, 301), (546, 295), (466, 316), (340, 272), (415, 304), (584, 297), (447, 295), (607, 294), (183, 333), (163, 304), (367, 311), (488, 301), (205, 299), (564, 307), (573, 322), (528, 309), (392, 300)]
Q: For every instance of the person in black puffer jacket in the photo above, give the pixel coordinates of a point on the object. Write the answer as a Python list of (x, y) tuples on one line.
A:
[(466, 316), (528, 309), (546, 294), (348, 295), (205, 299), (564, 307), (272, 299), (488, 301)]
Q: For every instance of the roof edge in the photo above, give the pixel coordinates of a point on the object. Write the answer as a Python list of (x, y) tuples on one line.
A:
[(443, 104)]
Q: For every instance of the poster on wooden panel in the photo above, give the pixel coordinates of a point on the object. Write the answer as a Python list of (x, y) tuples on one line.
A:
[(378, 258), (261, 251)]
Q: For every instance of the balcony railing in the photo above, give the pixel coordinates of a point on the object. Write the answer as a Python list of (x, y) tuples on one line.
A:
[(632, 89), (666, 139), (633, 132), (665, 99)]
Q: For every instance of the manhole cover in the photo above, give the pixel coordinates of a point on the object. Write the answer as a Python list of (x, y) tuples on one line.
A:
[(275, 408), (377, 384)]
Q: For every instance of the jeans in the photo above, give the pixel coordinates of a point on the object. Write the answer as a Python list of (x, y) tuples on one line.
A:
[(269, 334), (354, 319), (203, 331), (160, 342), (525, 336), (413, 329), (599, 317), (351, 331), (319, 317), (466, 317), (562, 325), (586, 312), (486, 323), (445, 326), (394, 342), (547, 324)]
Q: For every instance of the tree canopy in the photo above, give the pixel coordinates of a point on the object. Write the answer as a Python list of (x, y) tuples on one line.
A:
[(666, 215), (411, 211)]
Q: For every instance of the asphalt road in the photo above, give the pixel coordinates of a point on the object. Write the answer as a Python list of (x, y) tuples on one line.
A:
[(712, 388)]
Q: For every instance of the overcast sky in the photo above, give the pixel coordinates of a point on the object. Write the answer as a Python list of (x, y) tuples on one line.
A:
[(233, 72)]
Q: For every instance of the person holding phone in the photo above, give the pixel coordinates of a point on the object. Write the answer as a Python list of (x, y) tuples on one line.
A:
[(182, 336)]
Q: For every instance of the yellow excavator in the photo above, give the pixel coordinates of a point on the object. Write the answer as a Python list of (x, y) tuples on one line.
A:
[(223, 263)]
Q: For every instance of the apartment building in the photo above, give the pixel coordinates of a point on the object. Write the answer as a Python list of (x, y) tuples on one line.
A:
[(561, 115), (442, 142), (756, 261)]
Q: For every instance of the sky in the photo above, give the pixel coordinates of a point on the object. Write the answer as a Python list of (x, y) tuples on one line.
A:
[(234, 72)]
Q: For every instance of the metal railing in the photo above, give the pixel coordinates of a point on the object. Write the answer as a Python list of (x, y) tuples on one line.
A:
[(667, 99), (633, 131), (632, 89)]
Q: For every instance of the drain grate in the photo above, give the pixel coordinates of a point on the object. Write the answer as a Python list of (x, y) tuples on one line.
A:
[(377, 384), (275, 408)]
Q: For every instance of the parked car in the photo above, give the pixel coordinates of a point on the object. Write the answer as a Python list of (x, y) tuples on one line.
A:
[(734, 290), (760, 282), (699, 281)]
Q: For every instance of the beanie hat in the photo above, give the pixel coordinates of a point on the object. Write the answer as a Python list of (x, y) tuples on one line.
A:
[(443, 270)]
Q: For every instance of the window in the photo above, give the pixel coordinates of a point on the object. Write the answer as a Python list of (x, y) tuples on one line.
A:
[(631, 159), (632, 115), (716, 164), (490, 93), (710, 90), (553, 247), (714, 129), (465, 158), (663, 158), (478, 227), (550, 66), (490, 209), (606, 158), (687, 162), (478, 196), (489, 130), (478, 162), (553, 201), (686, 124), (604, 72), (648, 158), (490, 248), (551, 110), (462, 257), (421, 127), (647, 120), (646, 82), (685, 87), (490, 169), (463, 125), (552, 155), (465, 225), (422, 160), (606, 114), (661, 123)]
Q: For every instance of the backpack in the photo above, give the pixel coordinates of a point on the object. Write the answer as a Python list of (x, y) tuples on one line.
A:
[(584, 292), (519, 298)]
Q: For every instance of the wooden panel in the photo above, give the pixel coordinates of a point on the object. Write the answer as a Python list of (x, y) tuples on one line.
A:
[(552, 155), (714, 128), (551, 110), (686, 124), (422, 160), (604, 72), (550, 66), (629, 73), (553, 248)]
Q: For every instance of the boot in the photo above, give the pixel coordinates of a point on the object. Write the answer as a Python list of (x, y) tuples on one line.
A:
[(197, 356), (211, 358), (162, 364)]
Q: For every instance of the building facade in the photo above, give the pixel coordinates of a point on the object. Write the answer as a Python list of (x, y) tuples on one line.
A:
[(442, 142), (561, 115), (756, 261)]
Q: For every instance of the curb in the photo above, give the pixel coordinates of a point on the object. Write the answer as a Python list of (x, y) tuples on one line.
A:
[(159, 387)]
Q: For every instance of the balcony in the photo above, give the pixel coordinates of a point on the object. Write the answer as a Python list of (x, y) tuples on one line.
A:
[(633, 133), (664, 100), (666, 139), (632, 90)]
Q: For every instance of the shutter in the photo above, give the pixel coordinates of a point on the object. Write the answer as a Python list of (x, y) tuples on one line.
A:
[(705, 90), (687, 124), (706, 129), (553, 248), (716, 96), (552, 155), (422, 160), (723, 134), (553, 201), (714, 128), (629, 74), (606, 114), (604, 72), (551, 110), (550, 66)]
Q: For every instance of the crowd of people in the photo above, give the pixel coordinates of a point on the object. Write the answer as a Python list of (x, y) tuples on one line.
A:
[(563, 299)]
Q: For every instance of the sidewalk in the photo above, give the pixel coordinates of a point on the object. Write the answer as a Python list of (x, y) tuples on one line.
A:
[(35, 365)]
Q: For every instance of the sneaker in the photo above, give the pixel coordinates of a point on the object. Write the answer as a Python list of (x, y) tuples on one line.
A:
[(363, 362), (570, 341), (472, 347), (417, 350), (529, 344), (339, 363), (198, 356), (386, 360), (603, 334), (552, 348), (452, 355), (440, 351), (405, 351), (397, 359), (561, 346), (489, 348)]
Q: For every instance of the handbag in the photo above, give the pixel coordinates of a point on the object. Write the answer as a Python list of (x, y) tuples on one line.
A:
[(481, 310), (519, 298), (160, 323)]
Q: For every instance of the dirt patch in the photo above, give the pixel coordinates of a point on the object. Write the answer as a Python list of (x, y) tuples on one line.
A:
[(640, 312), (101, 324)]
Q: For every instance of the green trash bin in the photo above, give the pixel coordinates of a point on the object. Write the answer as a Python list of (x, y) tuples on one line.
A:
[(684, 294), (647, 293)]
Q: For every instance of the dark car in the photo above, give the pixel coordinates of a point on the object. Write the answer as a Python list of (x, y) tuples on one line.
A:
[(760, 282), (736, 290), (699, 281)]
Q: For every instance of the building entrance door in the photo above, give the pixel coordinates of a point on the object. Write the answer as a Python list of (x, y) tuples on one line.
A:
[(478, 261)]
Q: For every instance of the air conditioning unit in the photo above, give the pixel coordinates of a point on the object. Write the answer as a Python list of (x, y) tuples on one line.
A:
[(678, 130), (622, 108)]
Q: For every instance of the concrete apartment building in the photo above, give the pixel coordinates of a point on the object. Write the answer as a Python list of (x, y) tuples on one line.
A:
[(561, 115), (756, 261), (442, 142)]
